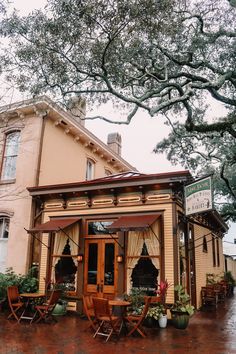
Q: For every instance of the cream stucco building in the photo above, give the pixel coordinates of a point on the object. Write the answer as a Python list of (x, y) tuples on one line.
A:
[(40, 143)]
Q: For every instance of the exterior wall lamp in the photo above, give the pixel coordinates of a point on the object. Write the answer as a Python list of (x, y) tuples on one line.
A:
[(119, 258), (80, 258)]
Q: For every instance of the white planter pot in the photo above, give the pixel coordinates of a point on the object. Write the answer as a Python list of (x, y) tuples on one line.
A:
[(162, 321)]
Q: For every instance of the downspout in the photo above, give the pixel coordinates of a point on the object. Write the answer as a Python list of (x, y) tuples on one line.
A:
[(43, 116), (175, 244), (35, 214)]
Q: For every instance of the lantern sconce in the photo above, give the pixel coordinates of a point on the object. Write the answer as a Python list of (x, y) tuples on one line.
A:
[(80, 258), (119, 258)]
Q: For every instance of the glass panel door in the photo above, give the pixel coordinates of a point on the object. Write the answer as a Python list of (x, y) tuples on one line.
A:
[(100, 267)]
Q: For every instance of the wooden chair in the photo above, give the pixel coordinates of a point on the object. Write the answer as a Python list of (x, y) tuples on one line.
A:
[(221, 291), (14, 301), (89, 311), (107, 323), (209, 296), (136, 320), (44, 311)]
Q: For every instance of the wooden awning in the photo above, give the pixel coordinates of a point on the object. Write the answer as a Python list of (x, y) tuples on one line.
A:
[(134, 222), (54, 225)]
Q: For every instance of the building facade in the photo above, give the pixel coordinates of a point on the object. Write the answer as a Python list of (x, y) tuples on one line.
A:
[(40, 143), (128, 230)]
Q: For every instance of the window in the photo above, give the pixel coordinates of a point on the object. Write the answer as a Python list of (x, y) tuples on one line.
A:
[(90, 169), (98, 227), (218, 252), (10, 156), (4, 228), (213, 251), (204, 245)]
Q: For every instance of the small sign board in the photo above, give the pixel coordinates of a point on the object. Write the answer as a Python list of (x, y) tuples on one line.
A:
[(198, 196)]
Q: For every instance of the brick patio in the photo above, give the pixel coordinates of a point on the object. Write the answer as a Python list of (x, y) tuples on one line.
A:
[(210, 331)]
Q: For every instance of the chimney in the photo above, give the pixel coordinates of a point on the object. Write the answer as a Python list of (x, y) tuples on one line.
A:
[(114, 142), (77, 107)]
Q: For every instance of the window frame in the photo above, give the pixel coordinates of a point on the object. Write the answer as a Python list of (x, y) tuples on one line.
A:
[(90, 169), (213, 251), (5, 174), (204, 245), (5, 224), (218, 252)]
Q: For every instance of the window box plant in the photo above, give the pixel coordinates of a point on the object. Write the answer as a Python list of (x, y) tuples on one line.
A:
[(181, 309)]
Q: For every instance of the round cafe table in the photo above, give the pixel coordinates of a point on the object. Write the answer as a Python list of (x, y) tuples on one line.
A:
[(29, 299), (119, 308)]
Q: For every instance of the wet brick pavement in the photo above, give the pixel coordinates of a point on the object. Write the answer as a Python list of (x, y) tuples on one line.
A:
[(210, 331)]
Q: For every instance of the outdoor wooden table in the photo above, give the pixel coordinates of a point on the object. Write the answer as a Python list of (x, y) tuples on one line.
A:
[(121, 306), (30, 298)]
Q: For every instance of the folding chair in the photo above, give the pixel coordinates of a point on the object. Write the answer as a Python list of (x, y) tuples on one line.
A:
[(45, 310), (14, 301), (136, 320), (107, 323), (89, 311)]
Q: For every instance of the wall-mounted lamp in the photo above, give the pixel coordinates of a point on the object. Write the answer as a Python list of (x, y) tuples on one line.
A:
[(119, 258), (80, 258)]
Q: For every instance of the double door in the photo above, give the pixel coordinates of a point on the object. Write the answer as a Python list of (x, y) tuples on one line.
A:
[(101, 272)]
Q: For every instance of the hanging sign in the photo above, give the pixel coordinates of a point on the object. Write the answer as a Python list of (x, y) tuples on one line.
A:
[(198, 196)]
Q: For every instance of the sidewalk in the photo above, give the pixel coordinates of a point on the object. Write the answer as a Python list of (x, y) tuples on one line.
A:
[(210, 332)]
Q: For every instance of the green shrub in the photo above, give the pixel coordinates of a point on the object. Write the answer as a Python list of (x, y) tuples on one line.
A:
[(26, 283), (229, 278)]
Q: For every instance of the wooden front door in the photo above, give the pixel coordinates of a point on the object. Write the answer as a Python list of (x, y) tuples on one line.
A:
[(100, 276)]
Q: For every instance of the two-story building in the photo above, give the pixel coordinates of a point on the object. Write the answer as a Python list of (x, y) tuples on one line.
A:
[(40, 143)]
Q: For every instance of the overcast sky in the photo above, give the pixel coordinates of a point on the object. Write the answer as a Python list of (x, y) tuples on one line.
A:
[(138, 139)]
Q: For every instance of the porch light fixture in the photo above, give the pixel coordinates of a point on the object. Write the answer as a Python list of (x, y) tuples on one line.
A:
[(119, 258), (80, 258)]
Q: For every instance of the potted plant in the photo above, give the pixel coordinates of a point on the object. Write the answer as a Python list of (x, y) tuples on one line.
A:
[(154, 313), (182, 309), (162, 290)]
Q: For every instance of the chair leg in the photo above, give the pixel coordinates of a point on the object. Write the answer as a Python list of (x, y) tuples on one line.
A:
[(98, 329), (13, 313), (136, 328)]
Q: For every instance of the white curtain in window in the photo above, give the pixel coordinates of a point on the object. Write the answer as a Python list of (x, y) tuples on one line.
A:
[(152, 242), (136, 240), (60, 242), (135, 245)]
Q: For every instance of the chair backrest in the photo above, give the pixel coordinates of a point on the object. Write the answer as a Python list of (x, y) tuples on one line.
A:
[(54, 297), (88, 302), (147, 302), (155, 299), (101, 307), (13, 293)]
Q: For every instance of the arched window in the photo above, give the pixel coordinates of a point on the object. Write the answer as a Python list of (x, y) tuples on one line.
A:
[(4, 227), (10, 155), (90, 169), (4, 232)]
